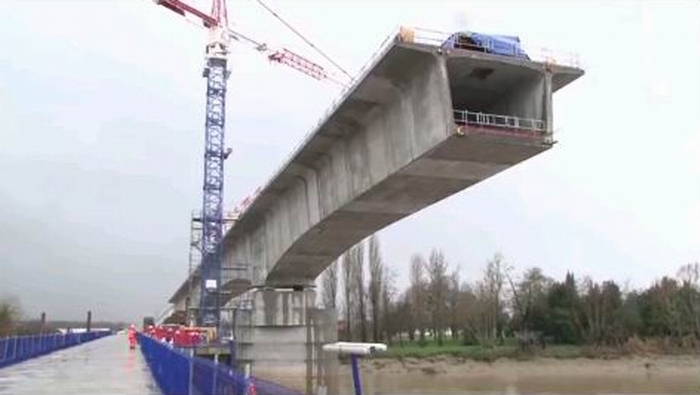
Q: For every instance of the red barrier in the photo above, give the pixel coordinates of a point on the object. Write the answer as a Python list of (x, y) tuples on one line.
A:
[(178, 336)]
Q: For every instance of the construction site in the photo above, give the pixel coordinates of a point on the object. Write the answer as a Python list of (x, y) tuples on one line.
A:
[(431, 114)]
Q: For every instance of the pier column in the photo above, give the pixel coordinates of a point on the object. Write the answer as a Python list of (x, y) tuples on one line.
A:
[(280, 334), (547, 103)]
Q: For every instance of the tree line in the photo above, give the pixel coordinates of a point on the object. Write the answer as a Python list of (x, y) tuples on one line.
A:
[(10, 313), (503, 303), (14, 322)]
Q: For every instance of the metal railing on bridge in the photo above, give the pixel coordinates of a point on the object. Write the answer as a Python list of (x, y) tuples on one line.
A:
[(528, 127), (178, 373), (21, 348)]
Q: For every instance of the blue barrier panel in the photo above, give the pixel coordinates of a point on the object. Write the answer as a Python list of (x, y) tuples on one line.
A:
[(21, 348), (177, 373), (209, 377), (170, 368)]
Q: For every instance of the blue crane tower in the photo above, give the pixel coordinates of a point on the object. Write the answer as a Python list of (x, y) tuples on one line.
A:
[(216, 73), (213, 190)]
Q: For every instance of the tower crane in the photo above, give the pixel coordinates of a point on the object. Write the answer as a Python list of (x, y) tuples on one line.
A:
[(216, 72)]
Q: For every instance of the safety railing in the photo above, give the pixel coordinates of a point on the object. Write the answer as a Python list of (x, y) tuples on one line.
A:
[(465, 117), (21, 348), (178, 373)]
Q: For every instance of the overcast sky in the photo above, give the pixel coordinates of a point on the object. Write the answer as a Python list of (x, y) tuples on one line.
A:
[(101, 140)]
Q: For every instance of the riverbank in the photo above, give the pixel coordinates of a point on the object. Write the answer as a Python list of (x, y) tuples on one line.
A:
[(631, 374), (490, 354), (541, 366), (458, 351), (661, 374)]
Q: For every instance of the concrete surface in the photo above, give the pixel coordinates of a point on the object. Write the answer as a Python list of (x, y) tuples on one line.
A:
[(101, 367), (389, 149), (280, 335)]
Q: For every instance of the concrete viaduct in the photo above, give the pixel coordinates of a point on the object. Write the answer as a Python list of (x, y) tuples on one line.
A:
[(399, 141), (421, 124)]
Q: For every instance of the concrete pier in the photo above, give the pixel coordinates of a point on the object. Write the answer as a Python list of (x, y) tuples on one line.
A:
[(279, 334)]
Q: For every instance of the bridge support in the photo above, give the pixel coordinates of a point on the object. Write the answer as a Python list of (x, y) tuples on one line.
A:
[(279, 335)]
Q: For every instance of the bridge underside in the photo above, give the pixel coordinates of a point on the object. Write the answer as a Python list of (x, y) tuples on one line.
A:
[(421, 125), (455, 164)]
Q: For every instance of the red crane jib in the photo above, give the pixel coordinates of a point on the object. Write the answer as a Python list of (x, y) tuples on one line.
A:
[(182, 9), (298, 62)]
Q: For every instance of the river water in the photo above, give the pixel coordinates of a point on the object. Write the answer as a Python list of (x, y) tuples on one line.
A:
[(623, 378), (400, 385)]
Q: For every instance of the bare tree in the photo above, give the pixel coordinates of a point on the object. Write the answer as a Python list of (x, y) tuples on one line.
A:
[(358, 287), (529, 303), (416, 294), (482, 313), (495, 273), (349, 300), (471, 308), (401, 321), (329, 281), (10, 312), (689, 275), (437, 293), (602, 306), (389, 309), (453, 294), (376, 278), (488, 306)]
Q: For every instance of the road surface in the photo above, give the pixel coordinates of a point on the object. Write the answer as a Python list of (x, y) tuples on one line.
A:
[(105, 367)]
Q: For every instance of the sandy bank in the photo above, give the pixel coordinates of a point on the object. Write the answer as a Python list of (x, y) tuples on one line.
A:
[(446, 365), (449, 375)]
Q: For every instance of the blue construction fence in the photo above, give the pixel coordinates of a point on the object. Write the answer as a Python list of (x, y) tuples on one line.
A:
[(16, 349), (178, 373)]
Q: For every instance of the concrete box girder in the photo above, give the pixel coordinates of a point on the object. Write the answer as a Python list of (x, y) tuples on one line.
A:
[(389, 149)]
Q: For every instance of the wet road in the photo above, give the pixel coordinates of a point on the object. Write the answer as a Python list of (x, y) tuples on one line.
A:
[(105, 367)]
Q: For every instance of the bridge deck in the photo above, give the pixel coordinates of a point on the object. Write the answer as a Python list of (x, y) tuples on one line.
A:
[(104, 366)]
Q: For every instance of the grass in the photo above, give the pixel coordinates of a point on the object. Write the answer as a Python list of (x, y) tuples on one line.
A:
[(509, 350), (454, 348)]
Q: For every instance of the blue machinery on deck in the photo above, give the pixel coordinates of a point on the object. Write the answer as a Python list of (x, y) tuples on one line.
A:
[(21, 348), (178, 373)]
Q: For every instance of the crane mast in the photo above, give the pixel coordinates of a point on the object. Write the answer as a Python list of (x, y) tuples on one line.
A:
[(216, 73), (213, 190)]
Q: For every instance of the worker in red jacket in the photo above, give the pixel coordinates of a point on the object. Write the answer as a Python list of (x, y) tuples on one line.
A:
[(131, 334)]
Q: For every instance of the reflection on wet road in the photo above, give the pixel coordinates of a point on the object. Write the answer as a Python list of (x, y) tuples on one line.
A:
[(104, 366)]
